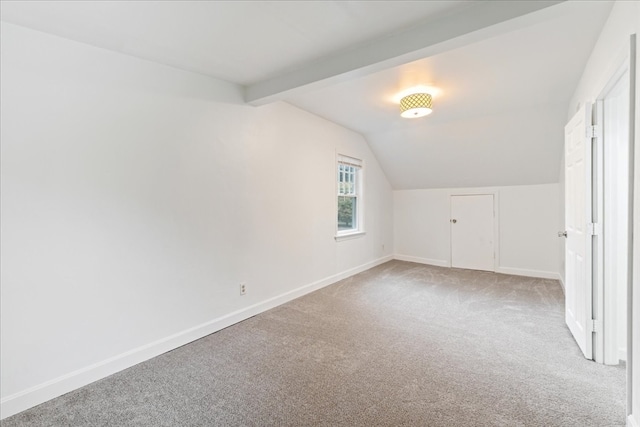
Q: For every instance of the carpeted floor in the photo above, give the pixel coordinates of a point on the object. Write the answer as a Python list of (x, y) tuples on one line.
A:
[(401, 344)]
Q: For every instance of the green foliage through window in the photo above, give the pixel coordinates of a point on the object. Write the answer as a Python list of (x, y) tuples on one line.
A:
[(346, 212)]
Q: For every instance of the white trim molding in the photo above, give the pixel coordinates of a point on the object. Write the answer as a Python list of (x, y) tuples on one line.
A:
[(41, 393), (631, 421), (503, 270), (347, 236), (531, 273), (436, 262)]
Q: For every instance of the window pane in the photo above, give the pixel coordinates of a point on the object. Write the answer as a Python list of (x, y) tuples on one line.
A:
[(346, 213), (347, 180)]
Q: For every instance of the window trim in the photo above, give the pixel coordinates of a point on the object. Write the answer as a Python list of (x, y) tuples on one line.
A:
[(359, 230), (350, 235)]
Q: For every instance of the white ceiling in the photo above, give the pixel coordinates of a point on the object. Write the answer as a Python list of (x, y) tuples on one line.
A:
[(499, 112), (503, 71), (238, 41)]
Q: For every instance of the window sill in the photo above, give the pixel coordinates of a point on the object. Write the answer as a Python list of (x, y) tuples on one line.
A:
[(349, 235)]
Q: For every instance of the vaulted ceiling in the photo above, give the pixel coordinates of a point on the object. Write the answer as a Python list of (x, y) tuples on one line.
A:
[(502, 72)]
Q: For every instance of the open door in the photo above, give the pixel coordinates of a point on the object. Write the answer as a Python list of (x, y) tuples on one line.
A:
[(579, 229)]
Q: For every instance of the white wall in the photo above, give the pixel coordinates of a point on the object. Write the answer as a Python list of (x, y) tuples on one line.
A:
[(528, 226), (136, 198), (607, 54), (634, 417)]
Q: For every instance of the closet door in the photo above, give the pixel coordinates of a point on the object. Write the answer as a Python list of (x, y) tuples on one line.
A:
[(472, 220)]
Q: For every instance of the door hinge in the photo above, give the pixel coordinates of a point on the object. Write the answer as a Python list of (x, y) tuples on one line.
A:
[(594, 325), (594, 229), (593, 131)]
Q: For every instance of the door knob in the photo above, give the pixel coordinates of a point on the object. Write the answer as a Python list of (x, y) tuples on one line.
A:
[(562, 234), (454, 221)]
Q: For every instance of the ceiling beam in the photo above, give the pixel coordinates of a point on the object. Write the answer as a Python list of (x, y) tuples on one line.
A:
[(472, 23)]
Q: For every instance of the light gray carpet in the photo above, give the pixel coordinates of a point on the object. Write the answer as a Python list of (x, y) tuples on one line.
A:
[(402, 344)]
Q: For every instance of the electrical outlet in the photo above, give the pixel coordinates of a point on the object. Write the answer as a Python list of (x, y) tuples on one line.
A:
[(243, 288)]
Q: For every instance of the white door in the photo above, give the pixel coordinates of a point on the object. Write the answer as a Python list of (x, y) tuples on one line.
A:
[(472, 232), (578, 212)]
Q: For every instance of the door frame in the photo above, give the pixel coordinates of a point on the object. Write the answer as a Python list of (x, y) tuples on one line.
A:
[(496, 221), (626, 55), (603, 291)]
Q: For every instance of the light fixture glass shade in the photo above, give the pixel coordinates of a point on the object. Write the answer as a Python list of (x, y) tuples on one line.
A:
[(415, 105)]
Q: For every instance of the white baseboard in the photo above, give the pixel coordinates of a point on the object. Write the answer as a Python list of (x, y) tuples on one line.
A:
[(561, 279), (41, 393), (529, 273), (622, 354), (436, 262), (631, 421), (504, 270)]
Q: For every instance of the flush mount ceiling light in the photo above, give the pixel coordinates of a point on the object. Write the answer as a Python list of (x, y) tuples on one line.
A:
[(415, 105)]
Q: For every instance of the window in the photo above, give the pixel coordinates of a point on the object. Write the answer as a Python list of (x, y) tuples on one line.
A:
[(350, 204)]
